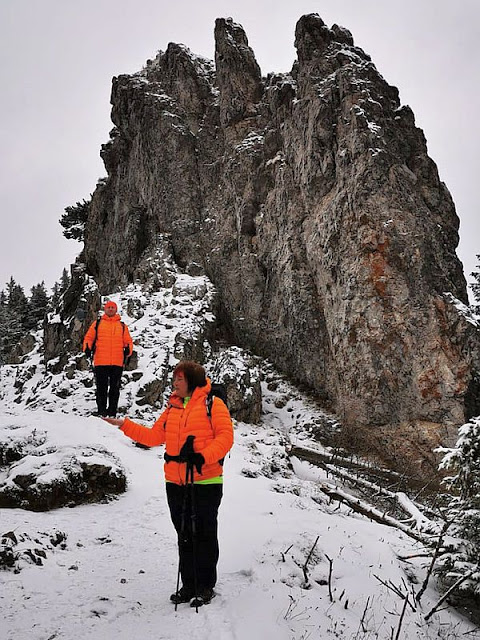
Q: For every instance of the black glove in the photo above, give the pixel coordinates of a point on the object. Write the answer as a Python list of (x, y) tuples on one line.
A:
[(188, 455), (126, 355), (88, 351)]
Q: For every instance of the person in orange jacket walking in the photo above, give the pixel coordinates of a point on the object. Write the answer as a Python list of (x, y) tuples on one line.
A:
[(197, 437), (108, 340)]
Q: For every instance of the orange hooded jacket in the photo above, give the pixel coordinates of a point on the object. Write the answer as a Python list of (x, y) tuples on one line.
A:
[(112, 338), (213, 436)]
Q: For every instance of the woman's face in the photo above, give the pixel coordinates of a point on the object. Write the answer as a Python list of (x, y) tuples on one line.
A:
[(180, 385)]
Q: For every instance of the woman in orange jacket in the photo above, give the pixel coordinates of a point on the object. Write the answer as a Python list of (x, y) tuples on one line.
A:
[(108, 339), (193, 440)]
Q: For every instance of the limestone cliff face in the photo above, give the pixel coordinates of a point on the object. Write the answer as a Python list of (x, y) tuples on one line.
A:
[(310, 201)]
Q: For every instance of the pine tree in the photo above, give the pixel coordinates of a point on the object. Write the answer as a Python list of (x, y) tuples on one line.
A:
[(19, 315), (64, 281), (74, 219), (37, 305), (17, 302), (464, 460), (3, 320), (55, 297), (58, 290), (13, 313)]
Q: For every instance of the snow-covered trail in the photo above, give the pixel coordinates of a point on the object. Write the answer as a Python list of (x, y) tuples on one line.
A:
[(119, 567)]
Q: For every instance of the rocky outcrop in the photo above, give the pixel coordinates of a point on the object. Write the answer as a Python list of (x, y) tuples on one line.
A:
[(25, 345), (241, 376), (38, 475), (18, 550), (63, 332), (171, 317), (310, 201)]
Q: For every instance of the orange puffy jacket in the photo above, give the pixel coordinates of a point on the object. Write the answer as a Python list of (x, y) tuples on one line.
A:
[(112, 338), (213, 436)]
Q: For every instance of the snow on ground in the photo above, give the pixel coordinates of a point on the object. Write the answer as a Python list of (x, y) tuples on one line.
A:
[(112, 574), (163, 323), (118, 568)]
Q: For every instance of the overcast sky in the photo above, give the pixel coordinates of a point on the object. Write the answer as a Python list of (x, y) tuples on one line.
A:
[(58, 58)]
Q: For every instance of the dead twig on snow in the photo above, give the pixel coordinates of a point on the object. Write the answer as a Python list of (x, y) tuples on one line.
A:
[(284, 553), (330, 562), (395, 590), (364, 628), (305, 571), (397, 635)]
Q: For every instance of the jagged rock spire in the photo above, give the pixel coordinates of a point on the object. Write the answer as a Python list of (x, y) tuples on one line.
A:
[(310, 201), (238, 74), (312, 36)]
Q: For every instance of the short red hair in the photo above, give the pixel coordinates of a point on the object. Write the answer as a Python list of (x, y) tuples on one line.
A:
[(194, 373)]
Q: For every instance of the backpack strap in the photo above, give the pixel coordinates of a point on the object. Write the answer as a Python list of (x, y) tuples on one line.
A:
[(96, 332), (209, 403)]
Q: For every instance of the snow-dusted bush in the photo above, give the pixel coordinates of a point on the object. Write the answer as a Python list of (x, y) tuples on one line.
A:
[(464, 509)]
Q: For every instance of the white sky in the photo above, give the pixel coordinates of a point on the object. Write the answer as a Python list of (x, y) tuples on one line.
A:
[(57, 59)]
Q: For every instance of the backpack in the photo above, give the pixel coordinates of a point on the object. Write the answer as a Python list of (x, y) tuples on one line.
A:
[(92, 349), (218, 389)]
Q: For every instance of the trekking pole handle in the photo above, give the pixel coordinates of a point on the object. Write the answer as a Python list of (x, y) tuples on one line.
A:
[(189, 442)]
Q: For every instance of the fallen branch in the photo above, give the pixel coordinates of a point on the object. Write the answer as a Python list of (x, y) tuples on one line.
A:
[(414, 555), (401, 500), (374, 514), (320, 458)]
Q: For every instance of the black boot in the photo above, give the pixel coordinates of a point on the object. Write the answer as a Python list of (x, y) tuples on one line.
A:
[(181, 596), (204, 596)]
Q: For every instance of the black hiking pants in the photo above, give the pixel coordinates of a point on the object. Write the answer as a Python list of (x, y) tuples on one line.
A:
[(108, 379), (207, 498)]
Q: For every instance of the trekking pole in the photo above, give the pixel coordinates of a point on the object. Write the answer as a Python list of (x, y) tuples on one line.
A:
[(189, 486), (193, 517), (182, 534)]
